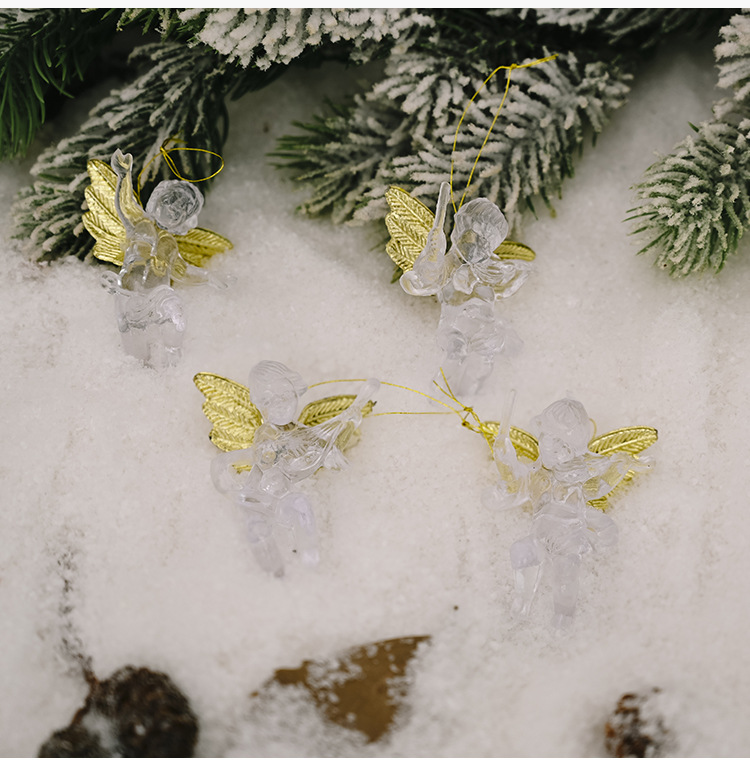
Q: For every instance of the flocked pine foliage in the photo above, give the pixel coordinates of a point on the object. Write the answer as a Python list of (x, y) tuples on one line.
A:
[(407, 119), (402, 133), (400, 130), (179, 94), (733, 56), (182, 93), (647, 26), (694, 204), (263, 37)]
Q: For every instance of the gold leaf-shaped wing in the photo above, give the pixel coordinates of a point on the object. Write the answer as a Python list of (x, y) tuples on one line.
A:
[(510, 250), (631, 440), (199, 245), (524, 443), (408, 224), (233, 415), (322, 410), (102, 221)]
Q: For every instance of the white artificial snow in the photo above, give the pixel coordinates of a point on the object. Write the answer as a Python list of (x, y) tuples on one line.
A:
[(104, 471)]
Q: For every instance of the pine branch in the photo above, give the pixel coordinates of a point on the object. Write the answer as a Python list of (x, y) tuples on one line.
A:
[(402, 132), (42, 51), (733, 57), (180, 94), (263, 38), (695, 202), (633, 30)]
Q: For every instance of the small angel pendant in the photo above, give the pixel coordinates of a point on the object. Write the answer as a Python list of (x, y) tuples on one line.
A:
[(270, 449), (147, 243), (565, 486), (467, 279)]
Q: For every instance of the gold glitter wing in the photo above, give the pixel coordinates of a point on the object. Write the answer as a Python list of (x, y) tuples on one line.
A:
[(631, 440), (510, 250), (409, 222), (234, 417), (524, 443), (102, 221)]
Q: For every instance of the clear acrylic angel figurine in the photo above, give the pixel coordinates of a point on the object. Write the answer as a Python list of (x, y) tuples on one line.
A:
[(263, 479), (467, 279), (149, 311), (566, 487)]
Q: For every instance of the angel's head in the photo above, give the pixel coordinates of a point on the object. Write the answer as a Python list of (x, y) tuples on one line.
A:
[(275, 389), (175, 206), (479, 228), (564, 430)]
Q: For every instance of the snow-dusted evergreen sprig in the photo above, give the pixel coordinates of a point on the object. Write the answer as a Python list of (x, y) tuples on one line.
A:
[(643, 28), (695, 202), (263, 37), (733, 57), (541, 127), (416, 97), (179, 94), (402, 133)]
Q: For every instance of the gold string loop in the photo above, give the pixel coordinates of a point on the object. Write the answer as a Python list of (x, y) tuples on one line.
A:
[(165, 153), (510, 69)]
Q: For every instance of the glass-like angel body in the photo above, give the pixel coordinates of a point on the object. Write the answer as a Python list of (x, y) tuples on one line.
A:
[(558, 487), (283, 453), (467, 279), (149, 312)]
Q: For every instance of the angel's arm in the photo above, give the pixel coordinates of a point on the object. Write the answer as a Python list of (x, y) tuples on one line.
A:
[(225, 476), (431, 268), (607, 472), (514, 275), (324, 437), (186, 274)]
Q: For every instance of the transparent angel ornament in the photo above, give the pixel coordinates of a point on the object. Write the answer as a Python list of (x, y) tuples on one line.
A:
[(558, 487), (284, 452), (467, 279), (149, 311)]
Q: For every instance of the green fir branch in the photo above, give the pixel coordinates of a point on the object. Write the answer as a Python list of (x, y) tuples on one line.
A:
[(41, 51)]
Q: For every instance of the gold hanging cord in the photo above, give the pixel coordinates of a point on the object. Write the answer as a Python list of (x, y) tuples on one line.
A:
[(510, 69)]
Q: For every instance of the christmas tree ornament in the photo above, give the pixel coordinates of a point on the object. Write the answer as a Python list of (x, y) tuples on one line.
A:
[(479, 268), (565, 477), (155, 248), (270, 450)]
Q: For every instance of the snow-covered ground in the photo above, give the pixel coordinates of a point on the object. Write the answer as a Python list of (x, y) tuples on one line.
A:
[(112, 532)]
